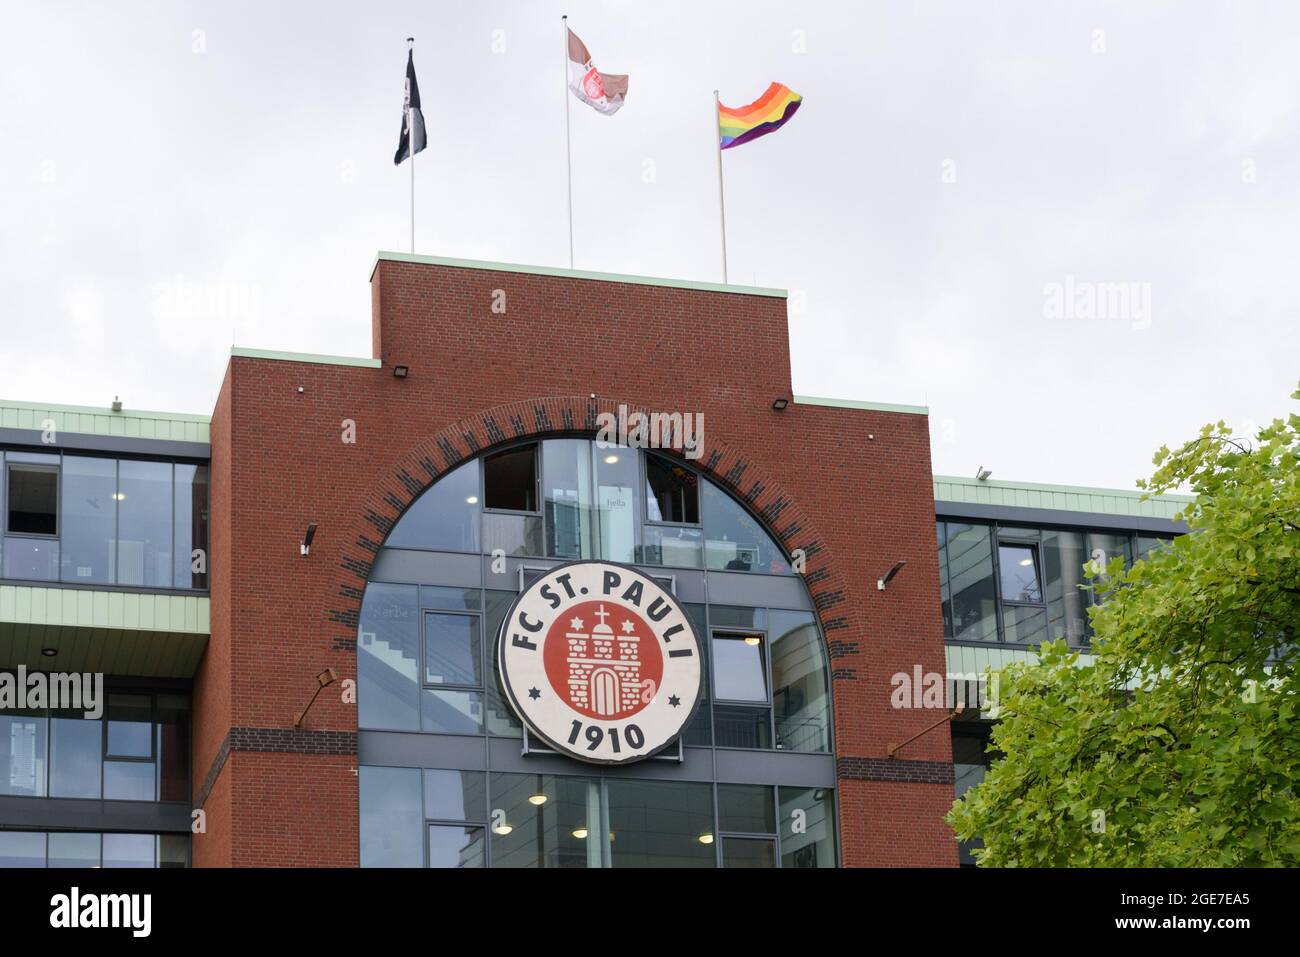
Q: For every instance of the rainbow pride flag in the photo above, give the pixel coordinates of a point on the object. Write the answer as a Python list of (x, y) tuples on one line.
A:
[(765, 115)]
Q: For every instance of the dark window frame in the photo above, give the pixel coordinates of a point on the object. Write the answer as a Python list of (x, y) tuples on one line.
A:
[(484, 509), (1035, 548), (49, 468), (424, 650)]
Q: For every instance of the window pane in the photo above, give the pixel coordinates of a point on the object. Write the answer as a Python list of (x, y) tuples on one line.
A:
[(1110, 546), (734, 540), (945, 597), (807, 821), (455, 846), (130, 725), (453, 650), (173, 850), (174, 747), (1063, 559), (739, 671), (89, 519), (454, 599), (129, 850), (451, 712), (22, 849), (700, 731), (455, 795), (76, 748), (73, 850), (1018, 567), (22, 753), (553, 833), (514, 535), (445, 517), (800, 682), (190, 519), (1024, 624), (144, 523), (391, 819), (618, 502), (388, 658), (737, 727), (33, 492), (970, 571), (510, 479), (748, 852), (746, 808), (566, 471), (129, 780), (32, 559), (673, 547), (501, 717), (660, 824), (672, 492), (1147, 544)]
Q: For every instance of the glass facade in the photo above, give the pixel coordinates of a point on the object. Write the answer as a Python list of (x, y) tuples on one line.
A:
[(426, 653), (93, 520), (89, 849), (1022, 585), (413, 817), (138, 751)]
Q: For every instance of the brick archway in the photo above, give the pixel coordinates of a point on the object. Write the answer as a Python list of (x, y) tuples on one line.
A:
[(435, 456)]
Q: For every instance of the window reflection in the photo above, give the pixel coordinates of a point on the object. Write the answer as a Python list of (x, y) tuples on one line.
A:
[(388, 656), (88, 529), (566, 465), (807, 819), (144, 523), (800, 682), (970, 580), (445, 517), (734, 540), (672, 492)]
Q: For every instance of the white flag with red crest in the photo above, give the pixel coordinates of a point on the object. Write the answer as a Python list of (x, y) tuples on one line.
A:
[(603, 92)]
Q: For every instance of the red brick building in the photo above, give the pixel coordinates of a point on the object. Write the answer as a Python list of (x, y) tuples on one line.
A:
[(372, 521)]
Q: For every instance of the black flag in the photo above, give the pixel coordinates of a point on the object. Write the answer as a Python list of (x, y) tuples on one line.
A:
[(410, 112)]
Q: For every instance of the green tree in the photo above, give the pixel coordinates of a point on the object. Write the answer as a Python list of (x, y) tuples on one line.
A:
[(1179, 745)]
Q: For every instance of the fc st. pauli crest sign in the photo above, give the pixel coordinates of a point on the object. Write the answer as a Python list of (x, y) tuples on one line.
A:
[(600, 662)]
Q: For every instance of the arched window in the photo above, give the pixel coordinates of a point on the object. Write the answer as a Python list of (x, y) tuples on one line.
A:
[(438, 591)]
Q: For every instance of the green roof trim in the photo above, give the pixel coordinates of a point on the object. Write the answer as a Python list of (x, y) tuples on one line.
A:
[(1066, 498), (88, 420), (965, 660), (870, 406), (242, 353), (576, 274)]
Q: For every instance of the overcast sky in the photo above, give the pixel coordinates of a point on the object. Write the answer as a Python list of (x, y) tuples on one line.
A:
[(175, 177)]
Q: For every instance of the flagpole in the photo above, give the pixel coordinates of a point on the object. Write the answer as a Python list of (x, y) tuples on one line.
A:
[(722, 206), (568, 142), (410, 146)]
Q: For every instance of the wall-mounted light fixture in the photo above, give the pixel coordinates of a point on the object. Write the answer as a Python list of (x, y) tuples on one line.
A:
[(400, 371), (780, 404), (889, 575), (982, 473), (117, 404), (323, 681), (306, 539), (49, 652)]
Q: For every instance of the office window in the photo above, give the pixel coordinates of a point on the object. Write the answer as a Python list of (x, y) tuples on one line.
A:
[(453, 650), (89, 522), (145, 515), (130, 726), (190, 523), (388, 658), (734, 540), (22, 849), (807, 821), (76, 755), (736, 726), (1063, 560), (659, 824), (73, 850), (546, 821), (618, 503), (801, 697), (945, 597), (445, 517), (970, 581), (32, 498), (1018, 568), (500, 716), (23, 753), (130, 850), (748, 852), (746, 809), (455, 795), (566, 470), (510, 479), (456, 846), (739, 666), (392, 822), (672, 492)]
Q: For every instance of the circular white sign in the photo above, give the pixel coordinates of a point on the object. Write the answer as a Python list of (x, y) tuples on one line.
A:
[(600, 662)]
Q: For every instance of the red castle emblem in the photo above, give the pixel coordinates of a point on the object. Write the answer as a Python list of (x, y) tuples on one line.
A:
[(603, 671)]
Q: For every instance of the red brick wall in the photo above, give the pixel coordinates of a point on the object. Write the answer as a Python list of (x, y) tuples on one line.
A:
[(852, 487)]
